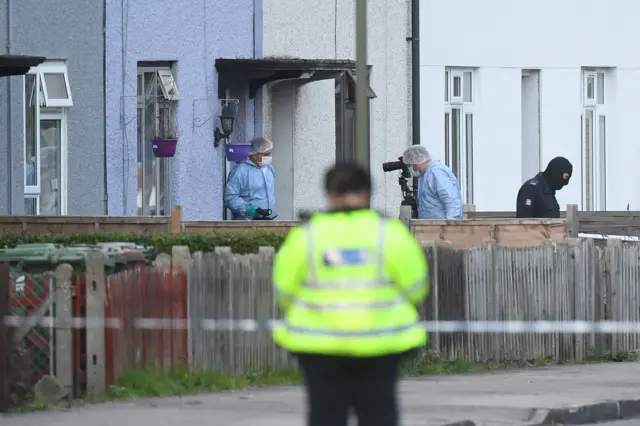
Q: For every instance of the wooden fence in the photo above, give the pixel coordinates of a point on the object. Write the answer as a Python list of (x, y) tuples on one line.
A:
[(464, 233), (625, 223), (556, 281), (564, 280), (600, 222)]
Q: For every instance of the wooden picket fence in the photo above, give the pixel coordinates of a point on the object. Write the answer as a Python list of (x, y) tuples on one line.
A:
[(571, 279)]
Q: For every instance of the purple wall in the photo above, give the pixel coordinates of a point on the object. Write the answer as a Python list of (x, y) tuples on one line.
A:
[(194, 33)]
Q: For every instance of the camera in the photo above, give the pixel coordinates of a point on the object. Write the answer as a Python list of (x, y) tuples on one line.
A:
[(392, 166), (408, 194)]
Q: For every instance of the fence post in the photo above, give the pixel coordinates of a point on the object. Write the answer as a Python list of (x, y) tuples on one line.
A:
[(226, 276), (572, 226), (95, 285), (64, 332), (612, 287), (267, 256), (578, 284), (176, 220), (6, 343), (431, 249), (181, 263)]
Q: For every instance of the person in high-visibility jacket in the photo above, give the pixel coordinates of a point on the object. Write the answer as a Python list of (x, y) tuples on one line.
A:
[(349, 281)]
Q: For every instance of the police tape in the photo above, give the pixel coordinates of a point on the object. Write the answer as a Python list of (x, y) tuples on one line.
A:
[(252, 325)]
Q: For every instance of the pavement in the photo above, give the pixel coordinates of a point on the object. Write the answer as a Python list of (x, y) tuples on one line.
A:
[(571, 394)]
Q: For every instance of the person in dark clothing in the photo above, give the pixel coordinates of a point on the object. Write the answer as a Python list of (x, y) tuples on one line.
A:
[(537, 196)]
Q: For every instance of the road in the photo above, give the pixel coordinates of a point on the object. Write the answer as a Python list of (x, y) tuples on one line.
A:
[(501, 398), (632, 422)]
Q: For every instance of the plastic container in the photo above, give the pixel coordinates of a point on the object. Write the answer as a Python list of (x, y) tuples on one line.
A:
[(236, 152)]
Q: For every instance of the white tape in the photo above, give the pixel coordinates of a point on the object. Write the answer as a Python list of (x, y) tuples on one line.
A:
[(474, 327)]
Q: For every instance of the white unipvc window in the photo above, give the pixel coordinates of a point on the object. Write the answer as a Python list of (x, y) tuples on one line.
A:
[(157, 99), (459, 98), (55, 87), (594, 139), (47, 98)]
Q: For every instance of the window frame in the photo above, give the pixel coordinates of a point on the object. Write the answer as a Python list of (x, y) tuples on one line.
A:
[(55, 68), (165, 86), (59, 114), (593, 153), (47, 113), (31, 189), (465, 148), (37, 198), (166, 168)]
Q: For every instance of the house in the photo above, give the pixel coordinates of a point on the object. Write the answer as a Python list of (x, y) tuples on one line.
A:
[(123, 116), (311, 118), (161, 83), (290, 76), (508, 85), (52, 127)]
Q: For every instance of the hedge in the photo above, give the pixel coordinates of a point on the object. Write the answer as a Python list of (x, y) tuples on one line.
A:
[(240, 241)]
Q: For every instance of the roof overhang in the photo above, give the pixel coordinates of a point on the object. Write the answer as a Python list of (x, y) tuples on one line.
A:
[(258, 72), (18, 64)]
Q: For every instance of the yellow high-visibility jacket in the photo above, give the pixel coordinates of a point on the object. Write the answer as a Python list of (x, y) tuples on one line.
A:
[(349, 283)]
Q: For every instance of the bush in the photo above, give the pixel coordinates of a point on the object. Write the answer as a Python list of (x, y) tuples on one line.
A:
[(241, 242)]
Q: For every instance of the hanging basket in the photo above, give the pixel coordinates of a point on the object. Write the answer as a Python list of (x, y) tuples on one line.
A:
[(236, 152), (164, 148)]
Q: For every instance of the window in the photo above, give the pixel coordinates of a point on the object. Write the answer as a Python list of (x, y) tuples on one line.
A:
[(55, 86), (594, 133), (458, 127), (157, 100), (47, 98), (346, 115)]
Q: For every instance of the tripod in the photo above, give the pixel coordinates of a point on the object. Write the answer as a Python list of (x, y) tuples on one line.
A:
[(409, 205)]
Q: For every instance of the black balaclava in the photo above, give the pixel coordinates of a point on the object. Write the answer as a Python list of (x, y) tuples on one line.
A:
[(555, 171)]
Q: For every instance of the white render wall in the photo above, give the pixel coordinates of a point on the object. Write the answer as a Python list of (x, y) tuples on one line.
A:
[(312, 29), (501, 37)]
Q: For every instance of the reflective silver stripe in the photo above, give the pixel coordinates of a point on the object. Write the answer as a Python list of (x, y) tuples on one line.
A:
[(359, 333), (348, 284), (416, 286), (351, 305)]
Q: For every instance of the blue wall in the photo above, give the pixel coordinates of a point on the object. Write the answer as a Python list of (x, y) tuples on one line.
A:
[(193, 33)]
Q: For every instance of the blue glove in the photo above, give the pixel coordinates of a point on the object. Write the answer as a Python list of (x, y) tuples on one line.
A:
[(250, 211)]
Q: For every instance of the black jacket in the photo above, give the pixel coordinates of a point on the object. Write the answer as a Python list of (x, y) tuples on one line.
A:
[(537, 200)]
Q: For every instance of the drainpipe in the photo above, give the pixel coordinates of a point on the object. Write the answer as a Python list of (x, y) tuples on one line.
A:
[(9, 113), (104, 104), (415, 71), (415, 76)]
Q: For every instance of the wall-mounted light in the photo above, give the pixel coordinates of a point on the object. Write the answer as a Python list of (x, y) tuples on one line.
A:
[(227, 120)]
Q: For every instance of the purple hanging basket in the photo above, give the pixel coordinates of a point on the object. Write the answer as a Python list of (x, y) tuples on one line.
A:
[(164, 148), (236, 152)]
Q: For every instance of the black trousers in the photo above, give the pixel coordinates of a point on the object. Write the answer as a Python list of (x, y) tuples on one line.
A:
[(334, 385)]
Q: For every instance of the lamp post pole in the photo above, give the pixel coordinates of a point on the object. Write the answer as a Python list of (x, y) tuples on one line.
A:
[(362, 107)]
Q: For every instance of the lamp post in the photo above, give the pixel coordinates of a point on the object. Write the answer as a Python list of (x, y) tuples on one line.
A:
[(227, 120), (362, 107)]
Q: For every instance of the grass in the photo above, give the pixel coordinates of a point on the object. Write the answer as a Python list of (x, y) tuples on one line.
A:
[(179, 381), (139, 383)]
